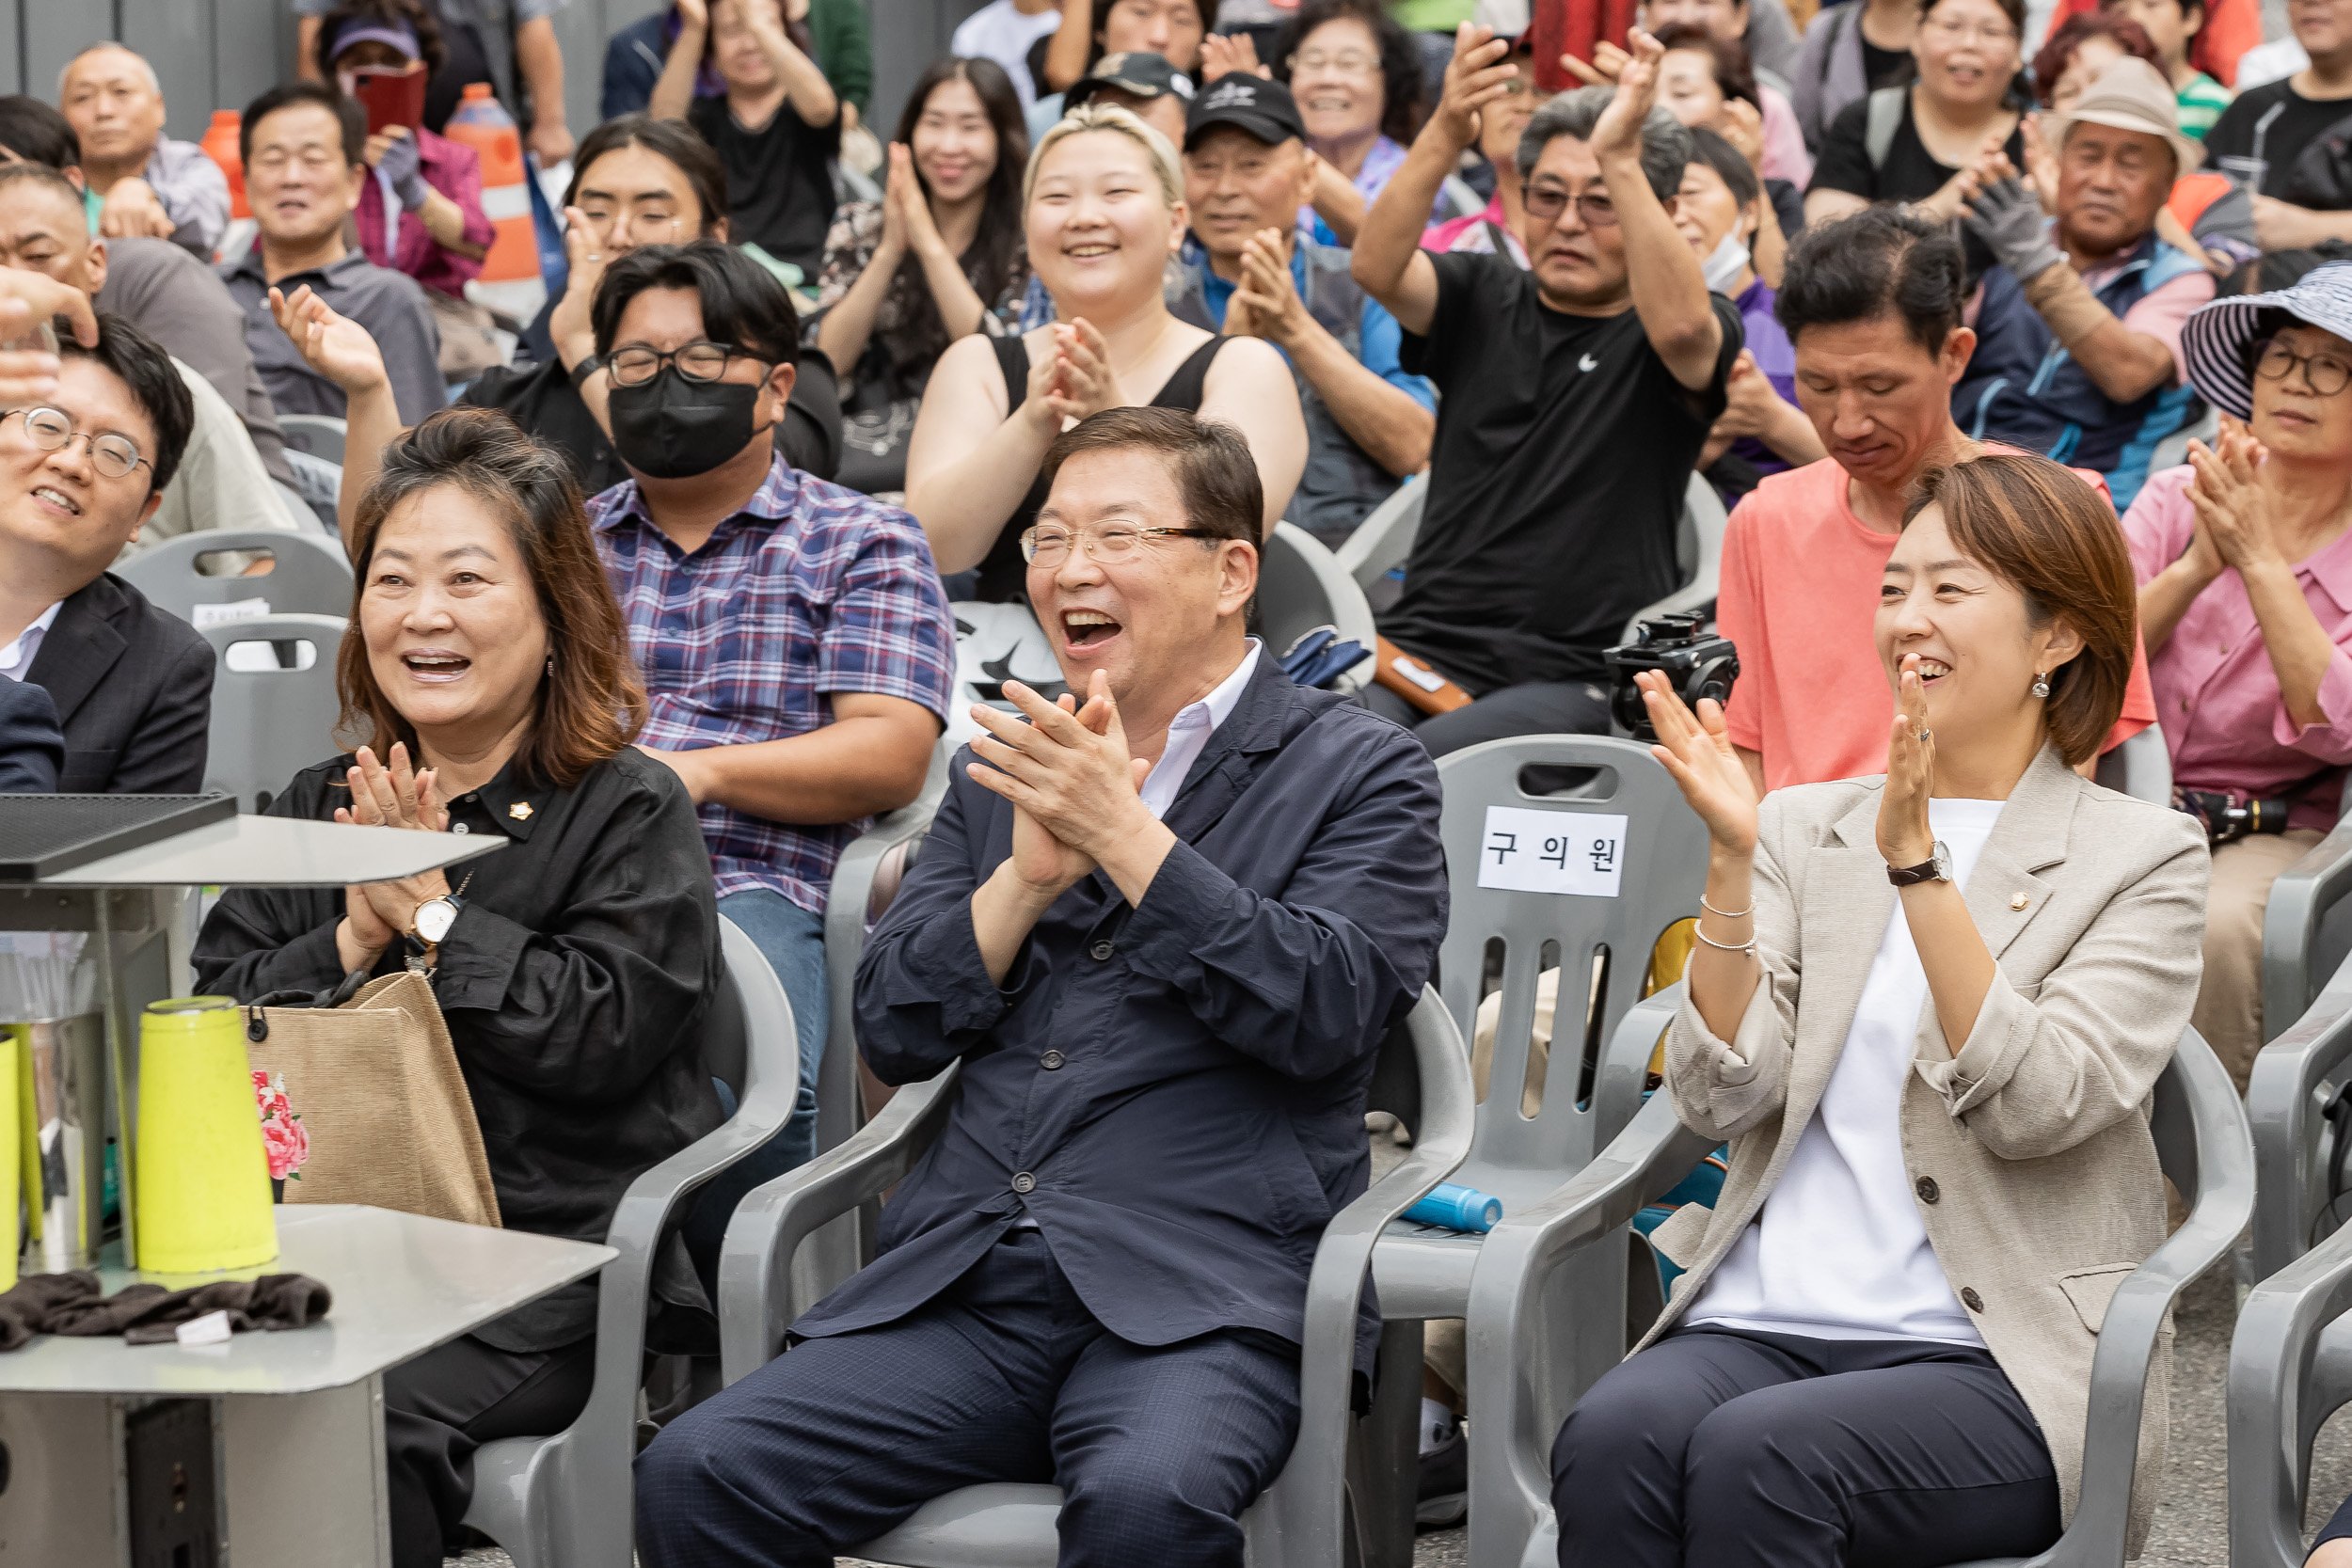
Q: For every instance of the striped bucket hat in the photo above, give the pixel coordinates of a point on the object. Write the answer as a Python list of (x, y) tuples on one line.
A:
[(2217, 337)]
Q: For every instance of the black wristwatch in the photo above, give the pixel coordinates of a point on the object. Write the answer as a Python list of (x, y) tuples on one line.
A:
[(1936, 868), (586, 367)]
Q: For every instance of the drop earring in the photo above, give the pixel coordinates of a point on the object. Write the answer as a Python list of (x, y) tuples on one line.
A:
[(551, 671), (2041, 684)]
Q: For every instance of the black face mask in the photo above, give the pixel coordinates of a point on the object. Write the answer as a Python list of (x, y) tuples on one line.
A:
[(673, 427)]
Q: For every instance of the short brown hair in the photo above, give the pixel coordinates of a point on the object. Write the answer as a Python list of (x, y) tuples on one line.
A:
[(593, 703), (2037, 525), (1215, 473)]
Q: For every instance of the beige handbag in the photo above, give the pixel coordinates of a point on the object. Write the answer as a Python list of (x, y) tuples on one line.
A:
[(376, 1081)]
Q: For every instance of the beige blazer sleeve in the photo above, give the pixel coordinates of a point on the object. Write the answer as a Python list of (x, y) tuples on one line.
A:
[(1721, 1089), (2047, 1066)]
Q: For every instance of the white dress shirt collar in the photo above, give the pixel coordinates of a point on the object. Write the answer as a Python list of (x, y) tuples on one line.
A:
[(1188, 733), (17, 657)]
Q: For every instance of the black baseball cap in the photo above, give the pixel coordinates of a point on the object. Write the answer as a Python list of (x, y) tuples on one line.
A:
[(1133, 71), (1262, 108)]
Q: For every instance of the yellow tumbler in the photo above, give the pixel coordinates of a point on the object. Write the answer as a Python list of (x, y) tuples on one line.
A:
[(201, 1172)]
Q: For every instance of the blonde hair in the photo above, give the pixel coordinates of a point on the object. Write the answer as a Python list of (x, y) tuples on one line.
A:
[(1110, 117)]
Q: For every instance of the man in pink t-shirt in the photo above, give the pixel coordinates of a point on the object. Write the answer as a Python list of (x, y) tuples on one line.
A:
[(1872, 305)]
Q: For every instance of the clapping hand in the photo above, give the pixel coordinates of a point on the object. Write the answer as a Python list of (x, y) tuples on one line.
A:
[(2227, 499), (572, 323), (904, 199), (1267, 290), (1231, 54), (1695, 749), (1081, 381), (28, 372), (336, 346), (1905, 836), (1479, 73), (1068, 775), (1741, 125), (1618, 134), (390, 794)]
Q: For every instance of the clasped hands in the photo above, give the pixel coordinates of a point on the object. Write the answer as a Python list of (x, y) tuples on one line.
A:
[(1072, 786), (387, 793), (1075, 381), (1696, 750)]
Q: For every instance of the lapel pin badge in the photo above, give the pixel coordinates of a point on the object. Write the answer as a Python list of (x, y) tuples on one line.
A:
[(520, 810), (2018, 901)]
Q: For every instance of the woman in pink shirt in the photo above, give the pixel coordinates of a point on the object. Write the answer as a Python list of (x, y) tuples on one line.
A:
[(422, 211), (2245, 607)]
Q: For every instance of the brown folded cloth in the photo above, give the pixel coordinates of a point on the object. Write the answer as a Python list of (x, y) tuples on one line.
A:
[(70, 1303)]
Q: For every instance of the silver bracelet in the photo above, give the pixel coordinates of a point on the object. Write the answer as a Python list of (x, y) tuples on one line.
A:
[(1748, 946), (1727, 915)]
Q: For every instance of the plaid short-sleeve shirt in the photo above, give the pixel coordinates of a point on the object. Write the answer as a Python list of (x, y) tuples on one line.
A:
[(810, 590)]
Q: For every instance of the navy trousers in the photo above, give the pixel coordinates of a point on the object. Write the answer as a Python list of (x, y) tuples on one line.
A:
[(1729, 1449), (1004, 1377)]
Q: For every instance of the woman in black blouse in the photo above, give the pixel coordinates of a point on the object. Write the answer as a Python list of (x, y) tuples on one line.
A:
[(1965, 103), (486, 654)]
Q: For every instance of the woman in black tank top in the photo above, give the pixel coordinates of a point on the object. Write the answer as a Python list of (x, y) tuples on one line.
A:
[(1103, 213)]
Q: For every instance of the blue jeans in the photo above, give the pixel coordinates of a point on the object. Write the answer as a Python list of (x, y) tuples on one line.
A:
[(793, 941)]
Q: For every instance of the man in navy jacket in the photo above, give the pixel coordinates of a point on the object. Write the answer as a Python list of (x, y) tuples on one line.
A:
[(1164, 933)]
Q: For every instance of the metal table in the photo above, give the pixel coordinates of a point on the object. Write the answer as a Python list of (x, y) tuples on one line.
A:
[(273, 1442), (119, 1457)]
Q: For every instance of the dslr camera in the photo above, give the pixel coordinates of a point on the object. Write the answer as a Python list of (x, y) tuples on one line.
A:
[(1696, 662), (2226, 818)]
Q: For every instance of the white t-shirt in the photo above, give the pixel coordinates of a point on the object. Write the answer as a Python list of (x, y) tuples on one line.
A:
[(1839, 1251), (997, 32)]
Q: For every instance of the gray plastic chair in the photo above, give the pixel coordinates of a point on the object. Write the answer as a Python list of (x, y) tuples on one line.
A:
[(2307, 926), (320, 435), (2290, 1369), (309, 574), (1385, 537), (268, 724), (1698, 554), (2141, 768), (1302, 586), (1302, 1520), (2173, 449), (1541, 1332), (2294, 1076), (564, 1501)]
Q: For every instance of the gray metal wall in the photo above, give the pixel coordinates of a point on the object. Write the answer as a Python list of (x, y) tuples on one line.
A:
[(220, 53)]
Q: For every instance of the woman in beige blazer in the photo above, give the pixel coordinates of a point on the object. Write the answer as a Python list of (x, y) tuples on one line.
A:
[(1936, 1098)]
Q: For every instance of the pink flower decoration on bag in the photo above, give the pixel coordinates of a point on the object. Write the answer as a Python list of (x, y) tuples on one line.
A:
[(283, 1132)]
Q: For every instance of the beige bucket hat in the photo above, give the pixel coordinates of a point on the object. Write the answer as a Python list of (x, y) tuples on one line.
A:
[(2131, 95)]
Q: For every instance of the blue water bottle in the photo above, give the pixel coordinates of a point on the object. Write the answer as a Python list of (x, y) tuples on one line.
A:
[(1457, 1207)]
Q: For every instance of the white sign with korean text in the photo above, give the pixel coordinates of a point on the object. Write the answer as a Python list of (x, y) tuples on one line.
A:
[(1575, 852)]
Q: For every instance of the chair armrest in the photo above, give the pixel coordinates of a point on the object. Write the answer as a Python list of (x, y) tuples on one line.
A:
[(1547, 1319), (1385, 539), (2282, 1104), (2272, 1416), (1624, 1067), (845, 943), (2299, 902), (756, 1297), (2140, 1306), (601, 1444), (1309, 1494)]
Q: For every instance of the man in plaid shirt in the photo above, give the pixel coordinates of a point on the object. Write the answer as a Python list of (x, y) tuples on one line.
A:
[(797, 647)]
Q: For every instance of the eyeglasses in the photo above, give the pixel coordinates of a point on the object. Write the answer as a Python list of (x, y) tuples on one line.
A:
[(114, 456), (1341, 62), (2327, 374), (1952, 31), (699, 361), (1548, 202), (637, 228), (1048, 544)]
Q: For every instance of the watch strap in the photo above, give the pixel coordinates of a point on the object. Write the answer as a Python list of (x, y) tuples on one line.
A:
[(586, 367), (1910, 875)]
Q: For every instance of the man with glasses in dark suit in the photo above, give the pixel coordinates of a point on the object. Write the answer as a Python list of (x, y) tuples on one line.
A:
[(83, 466)]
